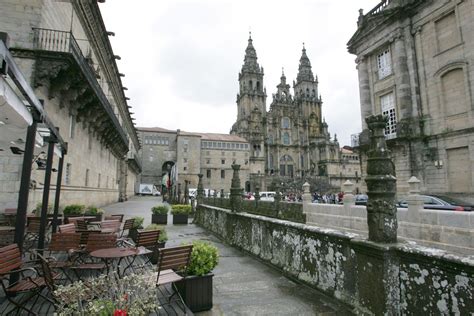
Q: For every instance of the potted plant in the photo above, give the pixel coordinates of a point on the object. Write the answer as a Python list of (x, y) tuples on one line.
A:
[(161, 240), (137, 224), (196, 287), (159, 214), (73, 210), (94, 211), (180, 213)]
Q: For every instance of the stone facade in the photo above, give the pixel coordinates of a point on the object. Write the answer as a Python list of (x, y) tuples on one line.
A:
[(291, 139), (75, 74), (415, 64), (193, 153)]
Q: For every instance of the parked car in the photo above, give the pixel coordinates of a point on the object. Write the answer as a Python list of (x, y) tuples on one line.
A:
[(267, 196), (361, 199), (440, 203)]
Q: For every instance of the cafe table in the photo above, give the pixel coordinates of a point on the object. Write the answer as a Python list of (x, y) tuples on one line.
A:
[(112, 254)]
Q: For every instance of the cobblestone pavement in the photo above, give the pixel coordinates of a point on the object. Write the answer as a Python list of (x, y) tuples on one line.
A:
[(242, 284)]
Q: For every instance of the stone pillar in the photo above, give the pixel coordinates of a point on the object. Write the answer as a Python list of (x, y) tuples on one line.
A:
[(414, 200), (235, 190), (348, 198), (381, 185), (257, 193), (186, 192), (123, 172), (364, 89), (306, 194), (200, 190), (402, 78)]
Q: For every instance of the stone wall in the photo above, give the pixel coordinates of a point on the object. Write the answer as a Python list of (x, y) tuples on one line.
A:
[(374, 279), (448, 230)]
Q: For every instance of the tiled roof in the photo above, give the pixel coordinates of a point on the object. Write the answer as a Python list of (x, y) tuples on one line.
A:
[(204, 136), (155, 129)]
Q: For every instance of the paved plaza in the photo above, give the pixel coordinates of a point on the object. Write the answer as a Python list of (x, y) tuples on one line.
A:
[(242, 284)]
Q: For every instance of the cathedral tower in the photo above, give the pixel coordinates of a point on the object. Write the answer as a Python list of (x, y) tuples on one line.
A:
[(251, 109), (306, 96)]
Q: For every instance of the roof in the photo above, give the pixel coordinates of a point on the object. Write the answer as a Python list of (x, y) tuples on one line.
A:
[(155, 129), (215, 136)]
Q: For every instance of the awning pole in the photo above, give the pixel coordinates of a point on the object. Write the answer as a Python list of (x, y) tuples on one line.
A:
[(58, 193), (44, 204)]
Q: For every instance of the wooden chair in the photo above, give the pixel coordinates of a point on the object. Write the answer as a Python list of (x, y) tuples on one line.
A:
[(127, 226), (6, 237), (67, 228), (95, 241), (147, 246), (66, 247), (32, 232), (110, 225), (32, 285), (80, 224), (171, 260)]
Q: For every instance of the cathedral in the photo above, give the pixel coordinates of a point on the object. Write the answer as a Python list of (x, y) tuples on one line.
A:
[(290, 140)]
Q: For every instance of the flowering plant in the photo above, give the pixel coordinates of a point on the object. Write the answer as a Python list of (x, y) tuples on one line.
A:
[(134, 294)]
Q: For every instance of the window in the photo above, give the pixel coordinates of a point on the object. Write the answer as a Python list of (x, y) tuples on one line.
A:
[(286, 138), (384, 64), (387, 104), (447, 32), (454, 92), (233, 146), (223, 161), (208, 173), (285, 122), (185, 168), (222, 174), (86, 182), (72, 125), (208, 161), (98, 181), (67, 177), (270, 139)]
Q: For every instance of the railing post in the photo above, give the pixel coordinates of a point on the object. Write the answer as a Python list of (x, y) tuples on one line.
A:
[(414, 200), (235, 190), (381, 185), (306, 194), (348, 199)]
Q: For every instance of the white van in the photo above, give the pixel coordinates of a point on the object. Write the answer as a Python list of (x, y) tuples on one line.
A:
[(267, 196)]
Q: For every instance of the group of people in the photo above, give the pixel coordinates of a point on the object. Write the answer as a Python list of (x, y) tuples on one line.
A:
[(328, 198)]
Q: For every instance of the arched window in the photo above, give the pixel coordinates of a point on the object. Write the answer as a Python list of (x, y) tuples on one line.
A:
[(258, 85), (285, 122), (286, 166), (250, 85), (286, 138), (307, 92), (270, 139), (270, 162)]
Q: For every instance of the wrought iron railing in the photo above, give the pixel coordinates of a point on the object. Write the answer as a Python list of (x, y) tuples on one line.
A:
[(64, 42)]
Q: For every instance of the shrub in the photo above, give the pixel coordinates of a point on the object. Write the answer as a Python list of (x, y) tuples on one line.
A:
[(138, 222), (92, 210), (74, 209), (37, 210), (181, 209), (163, 235), (159, 210), (204, 258)]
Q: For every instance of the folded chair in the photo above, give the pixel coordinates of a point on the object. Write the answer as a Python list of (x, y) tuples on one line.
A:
[(30, 285)]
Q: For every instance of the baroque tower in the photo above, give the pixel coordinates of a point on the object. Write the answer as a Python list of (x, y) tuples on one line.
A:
[(251, 109)]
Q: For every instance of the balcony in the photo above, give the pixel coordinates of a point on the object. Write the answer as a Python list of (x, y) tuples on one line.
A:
[(70, 77)]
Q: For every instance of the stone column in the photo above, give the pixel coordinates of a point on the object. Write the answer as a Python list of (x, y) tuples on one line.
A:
[(306, 194), (402, 78), (348, 198), (381, 185), (364, 89), (200, 190), (414, 200), (235, 190)]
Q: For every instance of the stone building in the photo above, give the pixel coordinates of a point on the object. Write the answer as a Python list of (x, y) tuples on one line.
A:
[(291, 139), (192, 153), (415, 63), (64, 52)]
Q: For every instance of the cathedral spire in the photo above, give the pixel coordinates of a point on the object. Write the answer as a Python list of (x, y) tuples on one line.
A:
[(250, 60), (304, 70)]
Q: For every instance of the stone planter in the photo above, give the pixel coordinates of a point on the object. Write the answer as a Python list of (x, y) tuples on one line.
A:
[(180, 219), (196, 292), (159, 219)]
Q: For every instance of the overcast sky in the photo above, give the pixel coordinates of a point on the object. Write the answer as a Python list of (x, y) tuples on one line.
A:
[(181, 58)]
